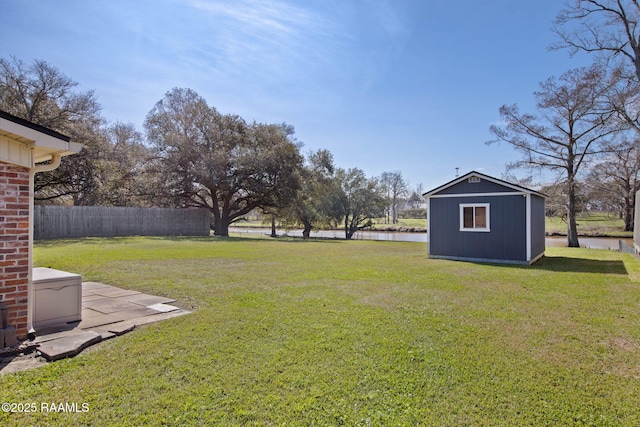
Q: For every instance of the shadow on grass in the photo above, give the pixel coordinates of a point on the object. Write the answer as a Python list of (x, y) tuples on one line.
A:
[(288, 239), (69, 240), (122, 239), (581, 265), (118, 239)]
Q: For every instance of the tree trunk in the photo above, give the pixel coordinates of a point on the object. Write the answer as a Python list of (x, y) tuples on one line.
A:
[(350, 227), (273, 226), (220, 223), (628, 214), (394, 212), (346, 228), (306, 232), (221, 228), (572, 228)]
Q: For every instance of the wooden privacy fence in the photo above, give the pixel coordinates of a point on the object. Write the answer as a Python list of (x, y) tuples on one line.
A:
[(59, 222)]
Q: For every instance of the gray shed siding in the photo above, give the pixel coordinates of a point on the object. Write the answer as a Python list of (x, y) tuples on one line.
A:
[(505, 242), (537, 226)]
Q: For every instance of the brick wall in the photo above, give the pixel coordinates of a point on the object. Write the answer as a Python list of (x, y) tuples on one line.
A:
[(14, 244)]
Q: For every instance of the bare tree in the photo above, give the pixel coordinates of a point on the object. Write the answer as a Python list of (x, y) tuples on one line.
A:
[(572, 125), (42, 94), (617, 177), (606, 27), (396, 188), (610, 29)]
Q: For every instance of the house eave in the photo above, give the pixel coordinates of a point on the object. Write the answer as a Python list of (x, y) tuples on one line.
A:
[(26, 144)]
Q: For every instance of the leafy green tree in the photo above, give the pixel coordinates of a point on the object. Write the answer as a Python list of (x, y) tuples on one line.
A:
[(415, 199), (219, 161), (315, 203), (123, 168), (361, 199)]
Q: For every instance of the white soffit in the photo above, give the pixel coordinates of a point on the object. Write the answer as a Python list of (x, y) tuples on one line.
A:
[(16, 141)]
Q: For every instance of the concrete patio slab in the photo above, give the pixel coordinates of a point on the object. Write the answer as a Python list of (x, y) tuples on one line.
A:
[(68, 346), (110, 305), (91, 296), (106, 335), (91, 319), (147, 300), (165, 308), (54, 336), (121, 328), (115, 292), (107, 312), (157, 317), (94, 285), (136, 313), (121, 314)]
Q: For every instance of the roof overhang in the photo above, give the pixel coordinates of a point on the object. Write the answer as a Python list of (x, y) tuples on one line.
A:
[(24, 143)]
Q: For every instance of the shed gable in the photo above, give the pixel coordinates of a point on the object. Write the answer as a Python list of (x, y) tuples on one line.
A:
[(477, 183), (474, 186)]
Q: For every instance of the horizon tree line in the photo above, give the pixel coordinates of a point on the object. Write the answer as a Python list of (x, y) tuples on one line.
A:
[(190, 155)]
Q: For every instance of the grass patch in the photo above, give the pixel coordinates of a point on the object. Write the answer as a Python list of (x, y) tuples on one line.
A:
[(288, 332), (403, 224), (590, 224)]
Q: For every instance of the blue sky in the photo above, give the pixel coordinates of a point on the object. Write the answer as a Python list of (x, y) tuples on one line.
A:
[(385, 85)]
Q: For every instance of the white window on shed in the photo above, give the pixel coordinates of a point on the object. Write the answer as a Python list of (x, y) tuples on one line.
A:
[(475, 217)]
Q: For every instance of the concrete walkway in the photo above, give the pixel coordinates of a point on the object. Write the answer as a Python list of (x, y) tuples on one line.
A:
[(107, 311)]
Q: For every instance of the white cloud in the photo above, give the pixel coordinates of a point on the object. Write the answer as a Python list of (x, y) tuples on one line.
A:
[(268, 40)]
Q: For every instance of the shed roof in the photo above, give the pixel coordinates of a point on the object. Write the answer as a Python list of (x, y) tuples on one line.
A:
[(503, 183)]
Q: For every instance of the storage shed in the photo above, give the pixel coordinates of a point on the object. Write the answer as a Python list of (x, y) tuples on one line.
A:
[(479, 218)]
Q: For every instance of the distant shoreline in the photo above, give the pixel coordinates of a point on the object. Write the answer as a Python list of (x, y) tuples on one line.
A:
[(405, 229)]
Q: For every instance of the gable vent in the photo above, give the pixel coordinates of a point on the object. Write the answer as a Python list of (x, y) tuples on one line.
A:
[(474, 179)]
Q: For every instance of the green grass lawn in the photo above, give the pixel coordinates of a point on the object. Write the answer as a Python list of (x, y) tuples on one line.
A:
[(403, 223), (591, 224), (292, 332)]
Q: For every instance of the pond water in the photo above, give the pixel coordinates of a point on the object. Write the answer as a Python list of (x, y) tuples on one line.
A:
[(559, 241), (590, 242)]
